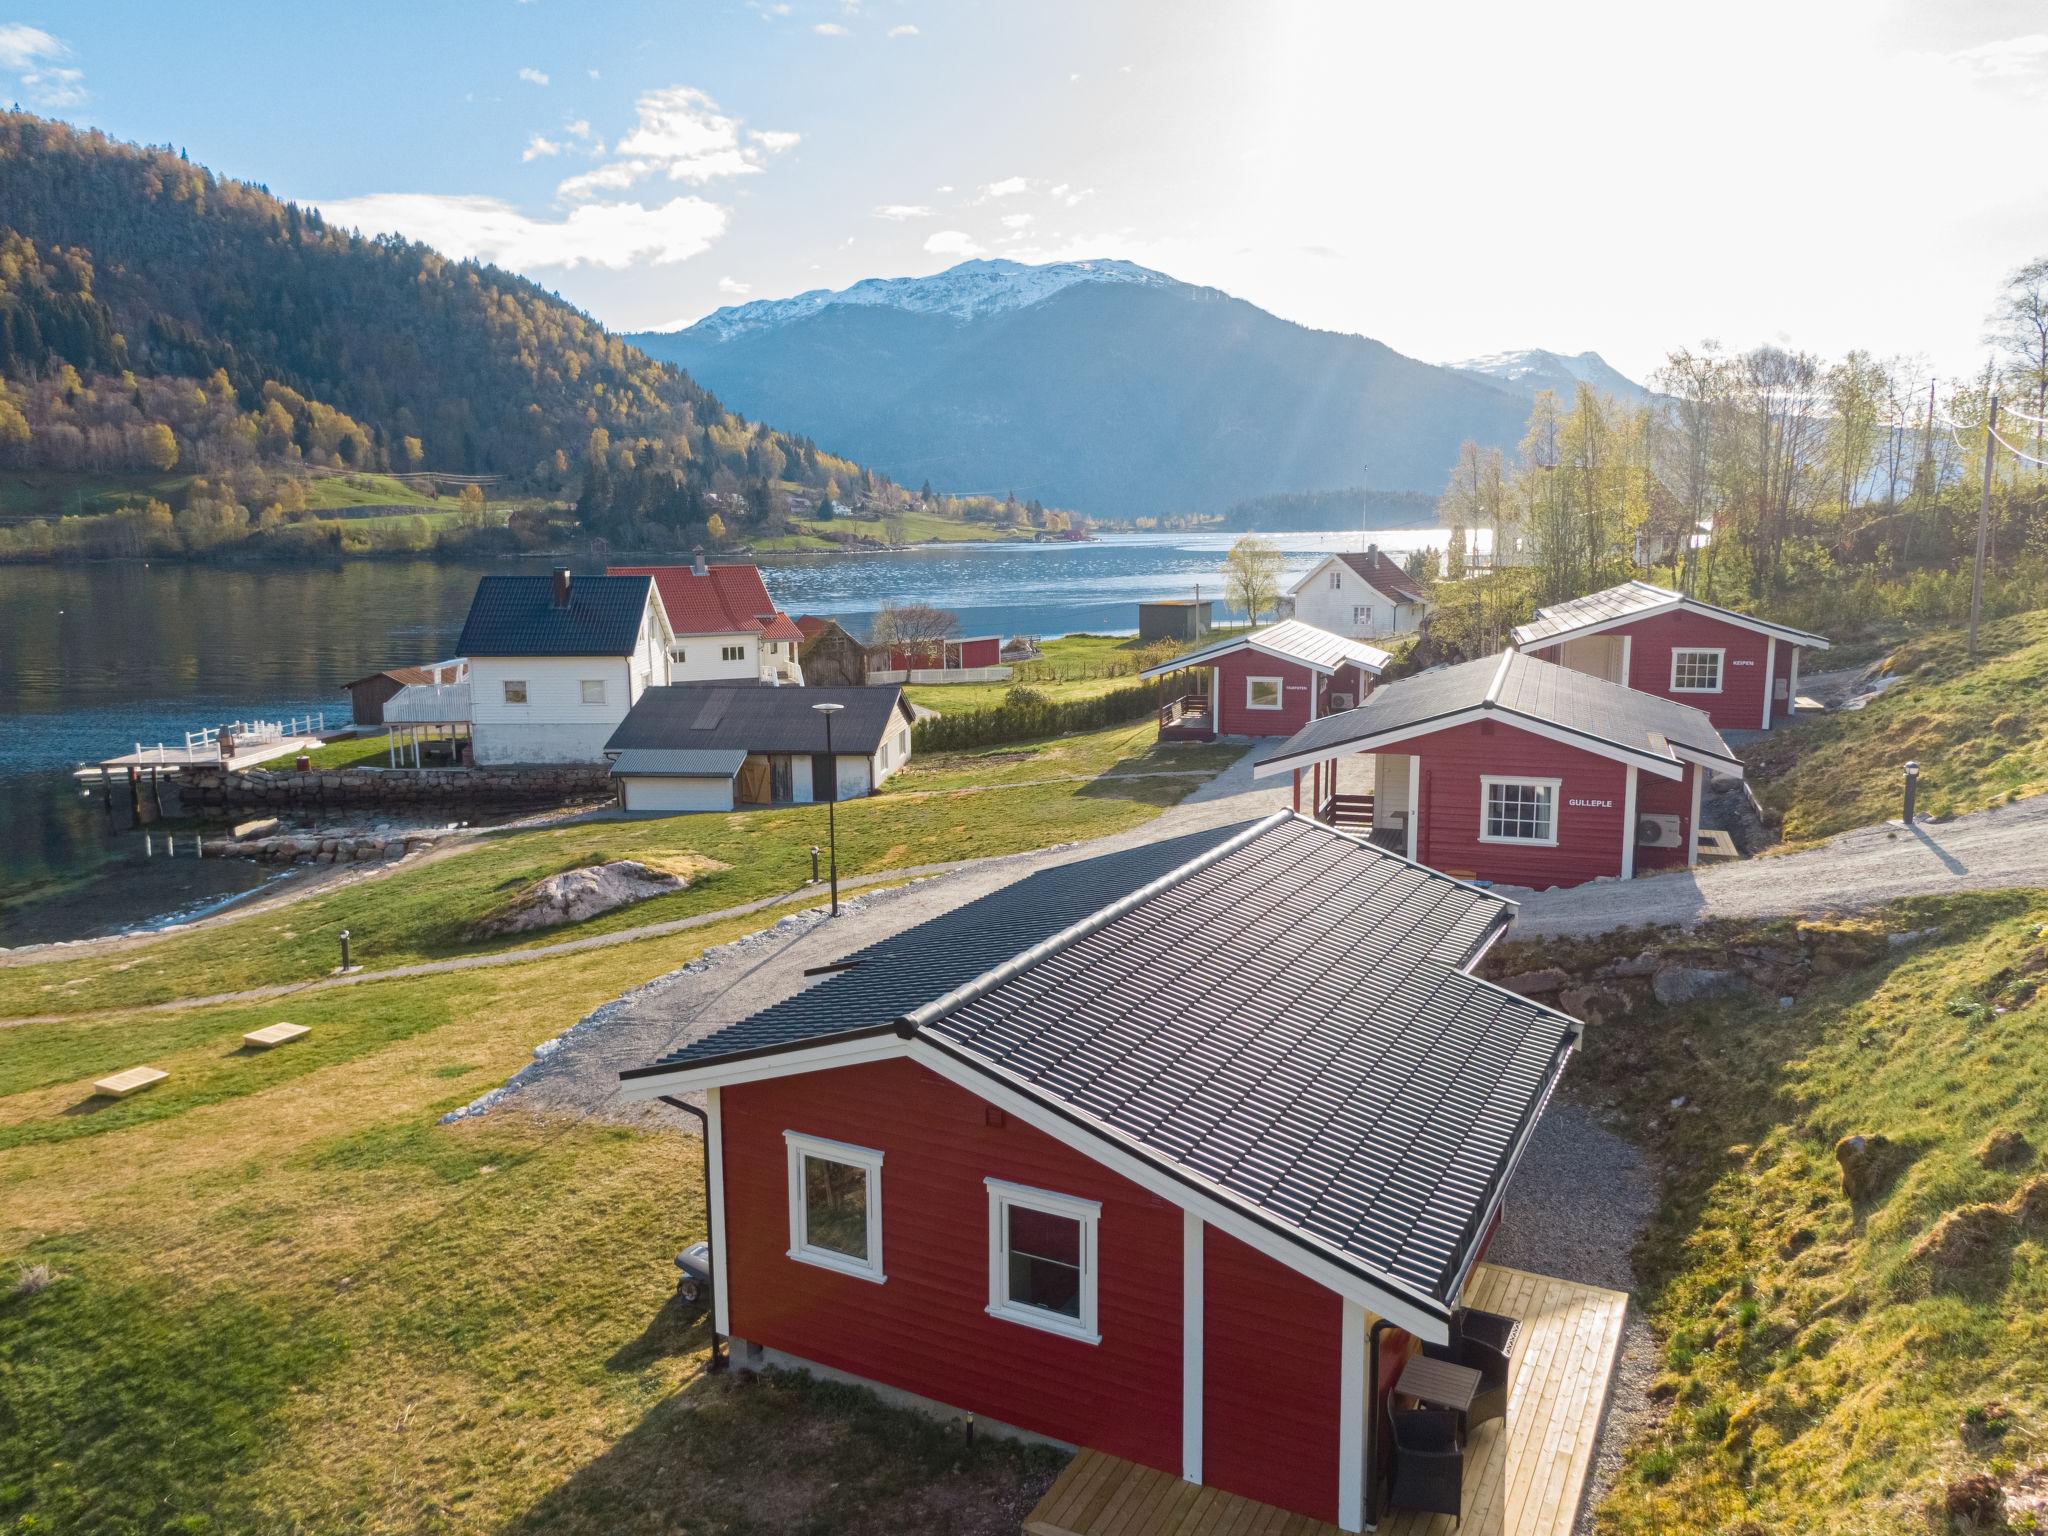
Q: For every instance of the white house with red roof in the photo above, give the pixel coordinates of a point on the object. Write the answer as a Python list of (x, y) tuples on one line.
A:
[(1360, 594), (726, 626)]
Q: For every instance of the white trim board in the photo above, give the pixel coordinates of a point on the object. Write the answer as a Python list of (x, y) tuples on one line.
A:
[(1375, 741), (801, 1148), (1087, 1215), (1680, 604), (1192, 1258)]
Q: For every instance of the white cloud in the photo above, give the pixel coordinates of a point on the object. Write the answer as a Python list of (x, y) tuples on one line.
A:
[(734, 286), (613, 235), (594, 74), (906, 30), (1009, 186), (580, 128), (902, 211), (952, 242), (538, 146), (942, 191), (680, 131), (37, 60), (1073, 79), (831, 29), (1016, 220), (533, 76), (2006, 59)]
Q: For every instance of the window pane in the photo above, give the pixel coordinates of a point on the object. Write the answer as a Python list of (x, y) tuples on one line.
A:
[(835, 1207), (1045, 1236), (1046, 1285)]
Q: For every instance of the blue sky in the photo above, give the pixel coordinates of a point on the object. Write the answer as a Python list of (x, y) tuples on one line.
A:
[(1451, 180)]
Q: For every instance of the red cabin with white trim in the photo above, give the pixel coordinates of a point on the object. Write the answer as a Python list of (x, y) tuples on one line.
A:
[(1268, 682), (1522, 772), (1741, 670), (999, 1165)]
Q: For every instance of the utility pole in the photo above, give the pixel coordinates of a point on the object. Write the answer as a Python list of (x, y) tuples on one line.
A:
[(1983, 524)]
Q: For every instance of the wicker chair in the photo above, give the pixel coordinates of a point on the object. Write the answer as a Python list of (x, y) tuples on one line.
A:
[(1484, 1341), (1429, 1465)]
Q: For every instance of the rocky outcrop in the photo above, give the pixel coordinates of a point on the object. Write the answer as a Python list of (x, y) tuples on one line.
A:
[(577, 894), (327, 845), (424, 789)]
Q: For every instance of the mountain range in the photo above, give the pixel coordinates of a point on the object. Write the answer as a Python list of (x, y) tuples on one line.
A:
[(1105, 386)]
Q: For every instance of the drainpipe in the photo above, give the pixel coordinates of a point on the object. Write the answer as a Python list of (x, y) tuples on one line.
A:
[(719, 1357), (1372, 1424)]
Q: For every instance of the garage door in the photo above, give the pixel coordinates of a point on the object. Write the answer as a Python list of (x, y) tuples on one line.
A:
[(654, 792)]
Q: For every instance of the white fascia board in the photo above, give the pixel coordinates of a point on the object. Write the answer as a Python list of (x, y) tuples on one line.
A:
[(1728, 767), (1663, 767), (1371, 741), (1682, 605), (1595, 626), (753, 1069), (1313, 572)]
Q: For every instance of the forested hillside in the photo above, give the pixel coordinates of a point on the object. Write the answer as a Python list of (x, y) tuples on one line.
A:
[(155, 316)]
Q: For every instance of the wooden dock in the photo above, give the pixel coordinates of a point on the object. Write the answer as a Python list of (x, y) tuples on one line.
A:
[(1523, 1475), (248, 746)]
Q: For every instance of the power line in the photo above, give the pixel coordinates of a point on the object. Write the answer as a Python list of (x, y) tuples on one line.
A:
[(2016, 452)]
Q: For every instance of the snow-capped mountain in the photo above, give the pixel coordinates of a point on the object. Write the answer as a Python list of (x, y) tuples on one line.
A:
[(1099, 385), (1534, 368), (970, 290)]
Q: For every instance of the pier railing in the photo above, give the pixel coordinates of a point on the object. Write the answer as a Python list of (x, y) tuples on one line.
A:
[(255, 731)]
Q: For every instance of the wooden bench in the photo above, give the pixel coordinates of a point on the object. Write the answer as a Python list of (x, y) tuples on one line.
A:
[(274, 1034), (121, 1084)]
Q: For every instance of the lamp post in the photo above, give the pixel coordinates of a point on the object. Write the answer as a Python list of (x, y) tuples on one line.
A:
[(832, 800)]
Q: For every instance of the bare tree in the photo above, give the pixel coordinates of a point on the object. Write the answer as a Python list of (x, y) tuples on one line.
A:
[(2018, 328)]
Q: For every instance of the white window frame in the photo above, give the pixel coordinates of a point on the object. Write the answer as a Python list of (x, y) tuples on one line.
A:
[(1279, 692), (590, 683), (733, 653), (1002, 1195), (1720, 655), (513, 682), (1336, 580), (1488, 782), (867, 1158)]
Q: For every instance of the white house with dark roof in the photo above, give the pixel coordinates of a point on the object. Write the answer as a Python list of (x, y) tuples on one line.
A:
[(556, 661), (1360, 594)]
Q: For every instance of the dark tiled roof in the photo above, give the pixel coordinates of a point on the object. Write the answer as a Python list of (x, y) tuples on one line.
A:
[(517, 616), (1283, 1018), (1513, 684), (752, 717), (1292, 639), (1560, 621)]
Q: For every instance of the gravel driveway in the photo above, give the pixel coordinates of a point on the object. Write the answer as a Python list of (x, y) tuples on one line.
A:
[(1986, 850)]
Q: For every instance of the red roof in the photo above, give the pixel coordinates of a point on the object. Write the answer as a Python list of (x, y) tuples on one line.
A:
[(725, 600), (1383, 573), (811, 626)]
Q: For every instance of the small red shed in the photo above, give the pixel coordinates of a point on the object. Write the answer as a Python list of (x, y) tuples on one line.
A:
[(1742, 670), (1174, 1153), (1523, 772), (1269, 682), (945, 655)]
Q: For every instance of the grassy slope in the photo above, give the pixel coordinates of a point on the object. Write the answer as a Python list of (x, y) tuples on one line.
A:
[(918, 528), (291, 1301), (1979, 732), (369, 750), (952, 807), (1819, 1377), (50, 493)]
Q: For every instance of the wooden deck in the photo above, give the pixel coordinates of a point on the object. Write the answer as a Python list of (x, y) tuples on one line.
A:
[(1523, 1477)]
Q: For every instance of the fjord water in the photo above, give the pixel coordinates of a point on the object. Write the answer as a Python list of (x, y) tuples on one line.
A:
[(95, 658)]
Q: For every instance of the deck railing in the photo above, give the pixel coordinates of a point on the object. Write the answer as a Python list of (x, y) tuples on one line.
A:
[(1353, 811), (1175, 713), (257, 731)]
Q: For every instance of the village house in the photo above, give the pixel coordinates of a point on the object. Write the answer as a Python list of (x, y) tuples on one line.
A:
[(1178, 1154), (724, 622), (556, 661), (1519, 771), (1362, 595), (1267, 682), (712, 746), (1743, 671), (830, 657)]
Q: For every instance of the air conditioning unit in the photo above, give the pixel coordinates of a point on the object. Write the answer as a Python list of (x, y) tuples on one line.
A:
[(1342, 701), (1659, 832)]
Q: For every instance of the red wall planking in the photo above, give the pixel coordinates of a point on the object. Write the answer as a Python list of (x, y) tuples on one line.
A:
[(1739, 706), (1590, 805), (1236, 718), (1669, 797), (1271, 1364), (925, 1329)]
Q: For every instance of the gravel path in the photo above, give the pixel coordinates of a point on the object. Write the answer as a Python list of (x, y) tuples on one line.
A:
[(1580, 1201), (1986, 850)]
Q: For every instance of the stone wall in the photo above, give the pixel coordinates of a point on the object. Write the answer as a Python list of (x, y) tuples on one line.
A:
[(426, 790)]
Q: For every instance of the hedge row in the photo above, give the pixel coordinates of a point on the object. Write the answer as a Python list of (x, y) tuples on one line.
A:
[(1026, 717)]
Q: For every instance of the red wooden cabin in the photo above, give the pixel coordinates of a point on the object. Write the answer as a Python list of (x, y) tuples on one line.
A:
[(1523, 772), (1268, 682), (1743, 671), (946, 655), (1145, 1153)]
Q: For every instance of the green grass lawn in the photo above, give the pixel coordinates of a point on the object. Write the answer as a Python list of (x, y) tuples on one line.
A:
[(952, 806), (916, 528), (1823, 1369), (1978, 730), (366, 751), (54, 493), (287, 1300)]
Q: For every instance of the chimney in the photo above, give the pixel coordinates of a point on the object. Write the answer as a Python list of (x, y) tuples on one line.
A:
[(1372, 554), (697, 566), (561, 586)]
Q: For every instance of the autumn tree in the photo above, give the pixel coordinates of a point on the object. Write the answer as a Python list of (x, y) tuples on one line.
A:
[(1251, 575)]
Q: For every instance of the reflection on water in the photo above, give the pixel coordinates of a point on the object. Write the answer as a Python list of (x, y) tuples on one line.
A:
[(96, 658)]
